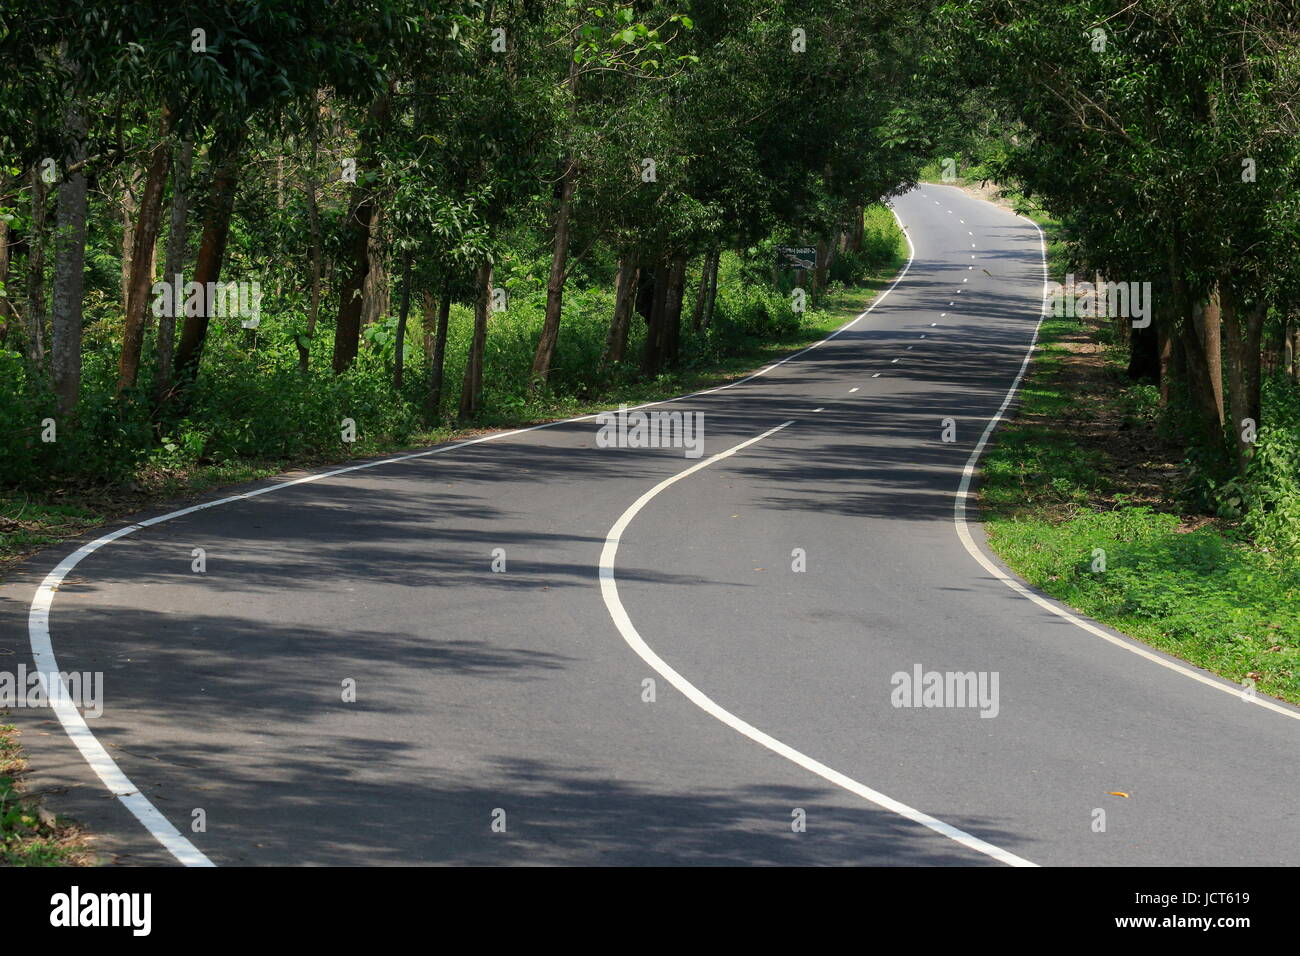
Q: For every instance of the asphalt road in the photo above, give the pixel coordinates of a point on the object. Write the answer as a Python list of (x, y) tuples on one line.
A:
[(524, 690)]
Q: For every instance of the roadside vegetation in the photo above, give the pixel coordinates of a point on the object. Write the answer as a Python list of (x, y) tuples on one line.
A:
[(753, 324), (1151, 478), (440, 218), (396, 221), (29, 834), (1088, 493), (1084, 495)]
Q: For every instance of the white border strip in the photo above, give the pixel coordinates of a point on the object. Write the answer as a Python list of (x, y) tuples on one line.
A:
[(963, 532), (91, 749), (38, 618), (609, 591)]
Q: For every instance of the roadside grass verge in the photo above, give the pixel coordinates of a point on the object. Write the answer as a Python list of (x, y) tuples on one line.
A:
[(1078, 496), (29, 834)]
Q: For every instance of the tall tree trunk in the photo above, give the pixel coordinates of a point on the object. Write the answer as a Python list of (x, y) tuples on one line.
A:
[(1255, 319), (545, 353), (347, 329), (1166, 340), (400, 344), (313, 225), (69, 270), (624, 294), (643, 297), (427, 321), (701, 292), (713, 288), (1209, 421), (177, 239), (1209, 324), (35, 322), (672, 334), (130, 189), (142, 253), (1202, 373), (6, 307), (1144, 355), (858, 228), (1238, 375), (1177, 376), (224, 159), (363, 208), (1252, 372), (823, 267), (374, 293), (438, 351), (652, 356), (472, 385)]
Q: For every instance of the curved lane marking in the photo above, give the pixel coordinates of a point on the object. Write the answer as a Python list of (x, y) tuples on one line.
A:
[(38, 617), (609, 591)]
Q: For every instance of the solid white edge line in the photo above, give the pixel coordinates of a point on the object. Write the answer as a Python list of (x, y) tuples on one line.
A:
[(609, 591), (963, 532), (38, 618), (91, 749)]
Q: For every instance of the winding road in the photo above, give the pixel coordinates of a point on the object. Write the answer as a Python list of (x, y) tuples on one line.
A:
[(520, 698)]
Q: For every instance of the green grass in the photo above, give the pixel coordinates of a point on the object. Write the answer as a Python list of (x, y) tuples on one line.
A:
[(1197, 594), (1031, 466)]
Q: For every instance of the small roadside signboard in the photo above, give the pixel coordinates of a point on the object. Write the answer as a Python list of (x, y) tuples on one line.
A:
[(796, 257)]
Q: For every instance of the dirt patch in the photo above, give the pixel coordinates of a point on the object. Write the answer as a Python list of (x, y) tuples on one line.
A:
[(1138, 465), (30, 835)]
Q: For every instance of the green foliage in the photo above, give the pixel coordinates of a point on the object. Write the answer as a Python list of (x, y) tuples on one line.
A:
[(1272, 486), (105, 442), (251, 402), (756, 312)]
